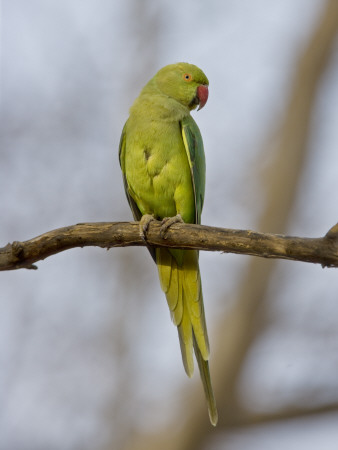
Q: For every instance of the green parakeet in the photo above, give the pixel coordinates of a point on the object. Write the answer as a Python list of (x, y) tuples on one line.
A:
[(163, 165)]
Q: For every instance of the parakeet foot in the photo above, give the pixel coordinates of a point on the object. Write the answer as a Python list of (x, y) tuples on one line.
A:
[(167, 222), (144, 225)]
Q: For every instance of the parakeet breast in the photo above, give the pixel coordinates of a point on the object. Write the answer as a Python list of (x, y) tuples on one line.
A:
[(157, 169)]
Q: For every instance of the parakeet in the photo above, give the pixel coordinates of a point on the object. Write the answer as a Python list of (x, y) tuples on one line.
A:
[(163, 165)]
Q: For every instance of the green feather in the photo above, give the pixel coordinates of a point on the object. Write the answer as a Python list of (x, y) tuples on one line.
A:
[(194, 147)]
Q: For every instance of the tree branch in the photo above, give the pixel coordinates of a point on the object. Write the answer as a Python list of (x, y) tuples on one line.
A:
[(296, 411), (322, 250)]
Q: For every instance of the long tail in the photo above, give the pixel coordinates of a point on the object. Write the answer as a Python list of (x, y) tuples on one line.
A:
[(181, 282)]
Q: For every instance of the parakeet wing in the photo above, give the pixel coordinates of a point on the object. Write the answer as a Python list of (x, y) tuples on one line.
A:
[(122, 147), (194, 147)]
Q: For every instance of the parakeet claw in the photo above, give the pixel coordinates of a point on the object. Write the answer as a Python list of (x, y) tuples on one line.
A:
[(144, 225), (167, 222)]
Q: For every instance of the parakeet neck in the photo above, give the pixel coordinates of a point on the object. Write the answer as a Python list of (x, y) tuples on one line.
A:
[(155, 105)]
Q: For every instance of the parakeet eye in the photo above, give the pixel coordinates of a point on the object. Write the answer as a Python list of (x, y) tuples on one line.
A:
[(187, 77)]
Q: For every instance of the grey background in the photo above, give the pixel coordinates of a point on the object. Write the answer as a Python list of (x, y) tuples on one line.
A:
[(88, 354)]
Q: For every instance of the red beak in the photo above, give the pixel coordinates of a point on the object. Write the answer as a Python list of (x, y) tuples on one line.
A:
[(202, 94)]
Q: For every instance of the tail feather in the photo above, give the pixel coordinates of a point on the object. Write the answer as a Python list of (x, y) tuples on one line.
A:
[(206, 381), (180, 280), (186, 342), (194, 299), (200, 332), (169, 277)]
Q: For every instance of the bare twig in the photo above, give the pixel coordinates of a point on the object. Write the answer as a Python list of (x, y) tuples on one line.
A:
[(322, 250)]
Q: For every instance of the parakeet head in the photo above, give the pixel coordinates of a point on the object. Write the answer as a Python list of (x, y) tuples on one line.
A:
[(184, 82)]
